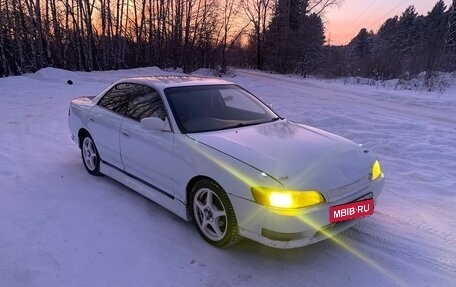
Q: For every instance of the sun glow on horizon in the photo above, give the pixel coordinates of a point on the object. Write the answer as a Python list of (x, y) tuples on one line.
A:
[(343, 23)]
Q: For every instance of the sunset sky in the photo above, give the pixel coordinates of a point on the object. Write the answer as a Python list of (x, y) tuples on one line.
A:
[(344, 23)]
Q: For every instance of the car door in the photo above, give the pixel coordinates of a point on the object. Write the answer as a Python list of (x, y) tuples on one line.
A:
[(147, 154), (104, 123)]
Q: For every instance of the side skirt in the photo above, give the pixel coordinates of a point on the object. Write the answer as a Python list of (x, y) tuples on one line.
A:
[(172, 204)]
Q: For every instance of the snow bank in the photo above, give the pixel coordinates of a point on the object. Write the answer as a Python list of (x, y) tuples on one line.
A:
[(176, 70), (54, 75), (205, 72), (439, 82)]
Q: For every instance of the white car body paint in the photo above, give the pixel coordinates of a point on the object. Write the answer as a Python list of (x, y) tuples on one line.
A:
[(307, 157), (281, 154)]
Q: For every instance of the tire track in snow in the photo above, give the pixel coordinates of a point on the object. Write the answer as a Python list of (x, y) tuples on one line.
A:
[(437, 260)]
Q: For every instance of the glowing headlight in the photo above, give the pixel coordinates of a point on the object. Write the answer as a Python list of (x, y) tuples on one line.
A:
[(285, 198), (376, 170)]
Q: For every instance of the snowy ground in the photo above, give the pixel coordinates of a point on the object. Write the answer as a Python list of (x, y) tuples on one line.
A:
[(60, 226)]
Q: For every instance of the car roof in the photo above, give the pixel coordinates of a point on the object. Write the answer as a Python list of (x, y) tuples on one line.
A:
[(167, 81)]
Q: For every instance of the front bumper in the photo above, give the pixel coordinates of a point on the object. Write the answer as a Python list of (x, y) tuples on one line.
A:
[(304, 226)]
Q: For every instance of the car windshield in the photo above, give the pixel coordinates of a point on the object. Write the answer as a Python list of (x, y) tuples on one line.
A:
[(217, 107)]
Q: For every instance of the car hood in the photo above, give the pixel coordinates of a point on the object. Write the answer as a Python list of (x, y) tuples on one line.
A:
[(299, 156)]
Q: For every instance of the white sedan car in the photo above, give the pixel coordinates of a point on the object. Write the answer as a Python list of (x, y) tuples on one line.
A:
[(211, 152)]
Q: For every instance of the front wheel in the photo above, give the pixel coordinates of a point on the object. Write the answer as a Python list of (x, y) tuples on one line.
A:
[(213, 214), (90, 156)]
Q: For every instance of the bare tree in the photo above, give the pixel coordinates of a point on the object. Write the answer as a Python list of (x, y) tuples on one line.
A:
[(258, 13), (230, 30), (319, 6), (4, 67), (112, 34)]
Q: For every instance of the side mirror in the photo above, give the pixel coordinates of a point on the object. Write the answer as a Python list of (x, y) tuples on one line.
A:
[(155, 124)]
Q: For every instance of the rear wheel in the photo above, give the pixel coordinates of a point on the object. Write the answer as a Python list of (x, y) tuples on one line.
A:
[(90, 156), (213, 214)]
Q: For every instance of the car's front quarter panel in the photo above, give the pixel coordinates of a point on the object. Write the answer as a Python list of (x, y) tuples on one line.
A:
[(192, 159), (298, 227)]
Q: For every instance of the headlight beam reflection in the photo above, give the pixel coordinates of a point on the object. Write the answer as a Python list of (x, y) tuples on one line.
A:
[(355, 252), (352, 250)]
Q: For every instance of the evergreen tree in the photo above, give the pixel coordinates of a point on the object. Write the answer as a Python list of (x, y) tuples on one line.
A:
[(434, 37), (410, 35), (310, 54), (294, 40), (449, 59), (386, 49), (360, 49), (282, 35)]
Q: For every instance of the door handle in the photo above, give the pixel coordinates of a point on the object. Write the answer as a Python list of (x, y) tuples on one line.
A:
[(125, 133)]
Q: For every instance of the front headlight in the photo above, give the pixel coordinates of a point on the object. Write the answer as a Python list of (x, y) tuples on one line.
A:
[(286, 198), (376, 170)]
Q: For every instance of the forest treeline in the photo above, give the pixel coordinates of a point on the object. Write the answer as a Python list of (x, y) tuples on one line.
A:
[(284, 36), (403, 47)]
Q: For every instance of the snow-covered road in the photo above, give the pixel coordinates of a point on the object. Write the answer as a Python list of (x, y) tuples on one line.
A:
[(60, 226)]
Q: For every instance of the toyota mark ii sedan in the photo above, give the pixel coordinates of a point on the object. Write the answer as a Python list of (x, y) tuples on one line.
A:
[(212, 153)]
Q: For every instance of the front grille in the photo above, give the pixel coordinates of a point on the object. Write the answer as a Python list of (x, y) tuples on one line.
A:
[(345, 190)]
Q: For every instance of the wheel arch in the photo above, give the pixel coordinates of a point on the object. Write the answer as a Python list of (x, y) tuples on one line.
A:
[(192, 183), (189, 188), (81, 133)]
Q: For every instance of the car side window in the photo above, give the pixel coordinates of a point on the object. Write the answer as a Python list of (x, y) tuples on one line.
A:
[(117, 98), (145, 102)]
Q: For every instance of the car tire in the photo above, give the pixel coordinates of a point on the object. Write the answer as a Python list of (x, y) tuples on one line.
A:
[(213, 214), (90, 156)]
